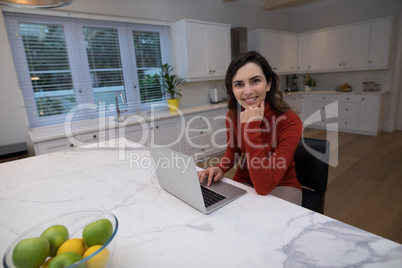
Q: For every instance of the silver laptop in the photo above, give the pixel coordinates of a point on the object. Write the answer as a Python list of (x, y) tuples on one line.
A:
[(177, 174)]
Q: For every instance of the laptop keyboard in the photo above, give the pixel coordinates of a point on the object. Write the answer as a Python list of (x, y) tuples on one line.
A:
[(210, 197)]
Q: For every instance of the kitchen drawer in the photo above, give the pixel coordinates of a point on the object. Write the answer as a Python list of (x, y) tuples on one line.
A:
[(200, 141), (327, 98), (191, 133), (199, 122), (320, 105), (349, 98), (87, 138), (349, 110), (348, 123), (200, 153), (51, 146)]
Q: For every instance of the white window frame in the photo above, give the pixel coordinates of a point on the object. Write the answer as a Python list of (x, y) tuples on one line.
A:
[(74, 36)]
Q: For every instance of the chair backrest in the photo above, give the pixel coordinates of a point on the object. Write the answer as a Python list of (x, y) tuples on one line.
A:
[(312, 170)]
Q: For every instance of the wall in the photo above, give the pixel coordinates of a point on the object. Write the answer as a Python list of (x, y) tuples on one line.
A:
[(314, 16), (13, 120), (331, 13)]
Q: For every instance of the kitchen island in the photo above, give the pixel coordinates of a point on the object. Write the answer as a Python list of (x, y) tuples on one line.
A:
[(158, 230)]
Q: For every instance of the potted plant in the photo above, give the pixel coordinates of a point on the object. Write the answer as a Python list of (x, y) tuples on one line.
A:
[(171, 83), (308, 82)]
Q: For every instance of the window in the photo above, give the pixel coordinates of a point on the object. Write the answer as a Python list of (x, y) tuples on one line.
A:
[(63, 64)]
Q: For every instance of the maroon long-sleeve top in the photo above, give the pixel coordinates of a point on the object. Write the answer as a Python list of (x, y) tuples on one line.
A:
[(265, 150)]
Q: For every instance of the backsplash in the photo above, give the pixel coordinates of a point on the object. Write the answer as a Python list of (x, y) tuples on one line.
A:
[(197, 93), (329, 81)]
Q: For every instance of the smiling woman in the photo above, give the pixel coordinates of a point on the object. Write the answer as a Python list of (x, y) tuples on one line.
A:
[(261, 130)]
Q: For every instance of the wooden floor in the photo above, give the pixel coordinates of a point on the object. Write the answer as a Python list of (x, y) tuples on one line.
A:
[(365, 186)]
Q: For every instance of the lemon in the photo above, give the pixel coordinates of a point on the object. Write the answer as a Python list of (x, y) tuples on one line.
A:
[(100, 260), (47, 263), (72, 245)]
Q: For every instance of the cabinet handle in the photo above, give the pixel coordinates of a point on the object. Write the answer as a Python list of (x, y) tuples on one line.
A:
[(362, 98), (346, 123), (202, 132), (323, 98), (340, 64), (344, 63), (214, 70), (347, 98), (71, 145), (202, 149), (370, 62), (157, 126), (309, 67), (94, 136), (347, 109)]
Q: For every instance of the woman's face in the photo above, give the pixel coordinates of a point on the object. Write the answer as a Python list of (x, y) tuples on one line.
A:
[(250, 85)]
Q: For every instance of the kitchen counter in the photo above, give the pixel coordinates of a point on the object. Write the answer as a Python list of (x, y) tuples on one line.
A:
[(333, 92), (158, 230), (78, 127)]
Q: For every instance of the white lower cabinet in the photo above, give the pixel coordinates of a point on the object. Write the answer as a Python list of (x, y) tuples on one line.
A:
[(167, 132), (201, 135), (358, 113), (205, 134), (54, 145)]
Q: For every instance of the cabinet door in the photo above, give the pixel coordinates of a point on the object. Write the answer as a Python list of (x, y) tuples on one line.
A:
[(380, 41), (218, 50), (287, 48), (91, 137), (53, 146), (167, 132), (267, 49), (136, 133), (303, 53), (314, 46), (309, 46), (331, 49), (356, 46), (369, 113), (197, 46)]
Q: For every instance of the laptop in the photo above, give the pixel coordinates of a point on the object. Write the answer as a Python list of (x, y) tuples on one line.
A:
[(177, 174)]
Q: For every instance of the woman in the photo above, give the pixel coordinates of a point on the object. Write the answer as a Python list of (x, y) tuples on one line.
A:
[(262, 131)]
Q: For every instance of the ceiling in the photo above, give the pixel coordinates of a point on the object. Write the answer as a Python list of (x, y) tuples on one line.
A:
[(275, 4)]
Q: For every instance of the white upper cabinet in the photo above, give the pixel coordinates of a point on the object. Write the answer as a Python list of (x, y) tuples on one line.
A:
[(345, 48), (309, 46), (202, 49), (380, 43), (279, 48)]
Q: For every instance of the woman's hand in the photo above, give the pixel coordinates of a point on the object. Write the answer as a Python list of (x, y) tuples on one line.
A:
[(214, 173), (253, 113)]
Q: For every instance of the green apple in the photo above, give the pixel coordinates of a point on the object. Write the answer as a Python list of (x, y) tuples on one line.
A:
[(56, 235), (31, 252), (65, 259), (97, 233)]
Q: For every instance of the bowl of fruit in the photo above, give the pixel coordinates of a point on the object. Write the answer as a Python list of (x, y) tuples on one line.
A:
[(81, 239)]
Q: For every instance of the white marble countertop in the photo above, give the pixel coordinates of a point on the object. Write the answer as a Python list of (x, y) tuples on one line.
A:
[(78, 127), (158, 230)]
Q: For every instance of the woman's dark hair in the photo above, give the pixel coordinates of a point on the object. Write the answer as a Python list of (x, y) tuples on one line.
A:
[(273, 97)]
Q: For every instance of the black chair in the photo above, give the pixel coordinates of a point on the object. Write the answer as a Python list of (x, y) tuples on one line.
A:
[(312, 158)]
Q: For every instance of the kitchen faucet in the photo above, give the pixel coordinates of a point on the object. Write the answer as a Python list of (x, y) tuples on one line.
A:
[(118, 111)]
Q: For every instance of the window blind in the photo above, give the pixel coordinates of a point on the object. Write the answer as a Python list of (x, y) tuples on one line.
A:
[(68, 65)]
